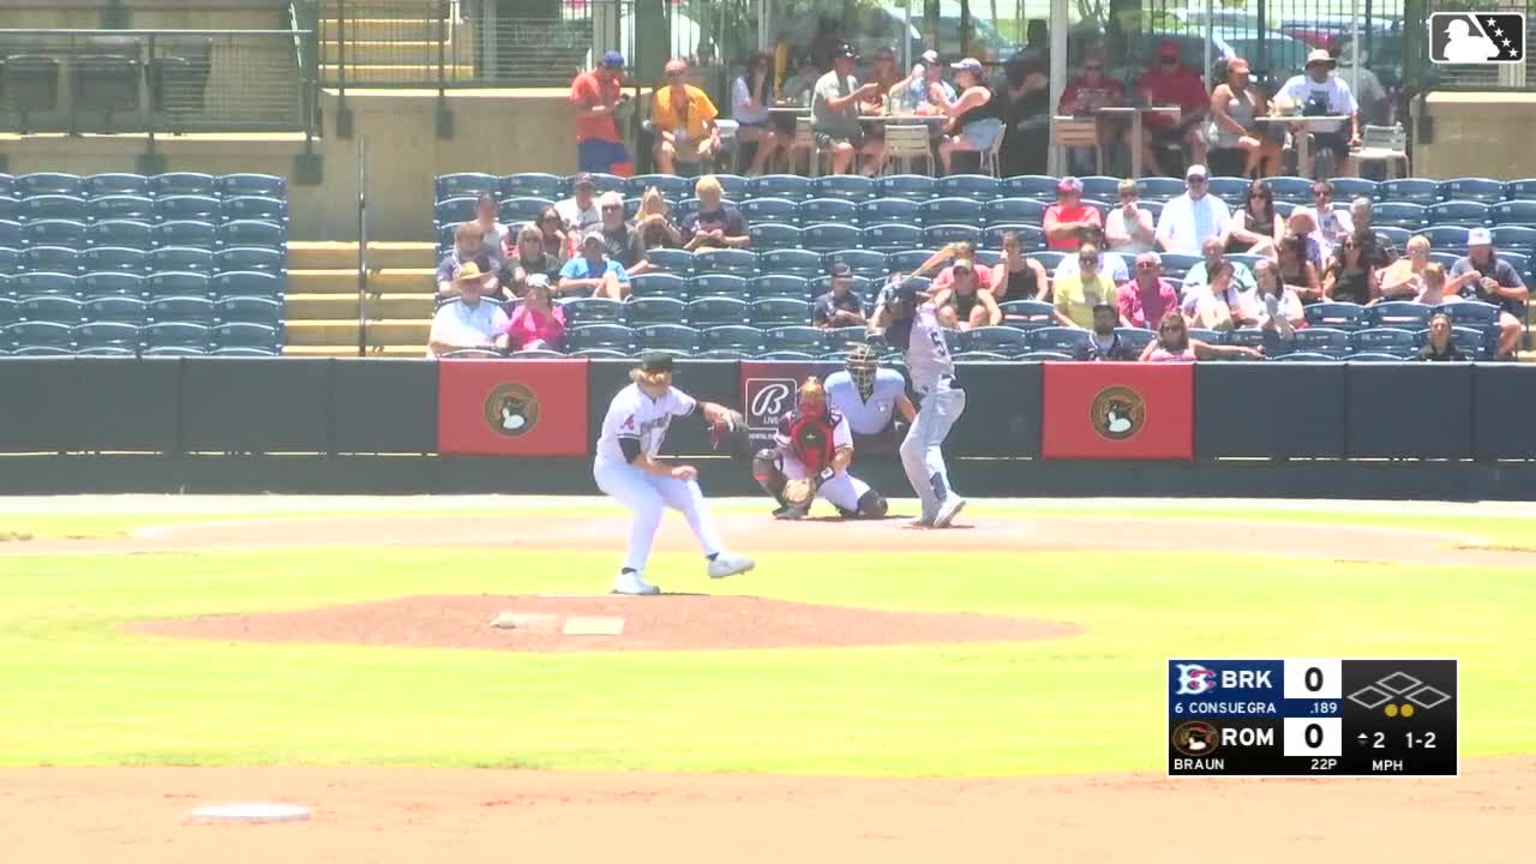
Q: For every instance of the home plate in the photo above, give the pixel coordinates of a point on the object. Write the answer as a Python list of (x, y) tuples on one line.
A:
[(251, 812), (594, 626), (524, 621)]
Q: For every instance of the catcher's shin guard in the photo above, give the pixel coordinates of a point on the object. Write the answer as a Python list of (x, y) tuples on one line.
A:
[(766, 471)]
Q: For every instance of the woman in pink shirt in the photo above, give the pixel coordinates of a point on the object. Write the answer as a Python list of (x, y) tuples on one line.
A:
[(536, 323), (1173, 345)]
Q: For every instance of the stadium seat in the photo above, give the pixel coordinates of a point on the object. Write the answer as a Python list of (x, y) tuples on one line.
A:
[(1100, 186), (1070, 341), (942, 235), (862, 286), (34, 283), (115, 258), (252, 233), (1135, 338), (891, 236), (250, 258), (1329, 341), (669, 337), (1036, 186), (246, 283), (1470, 313), (677, 261), (187, 233), (10, 208), (54, 207), (175, 334), (1445, 236), (1375, 357), (28, 336), (790, 262), (913, 187), (1176, 265), (830, 237), (602, 182), (1251, 337), (790, 186), (120, 232), (250, 310), (1233, 190), (191, 310), (183, 183), (1521, 212), (762, 210), (647, 285), (123, 309), (1473, 342), (43, 307), (848, 187), (717, 311), (51, 259), (741, 262), (907, 260), (255, 207), (110, 285), (1413, 190), (96, 335), (235, 351), (1384, 340), (182, 259), (1044, 357), (1296, 190), (1515, 238), (979, 187), (1031, 237), (465, 183), (9, 258), (671, 186), (7, 309), (867, 263), (1305, 357), (596, 353), (10, 233), (53, 232), (814, 211), (717, 285), (454, 211), (1480, 189), (47, 183), (1468, 214), (522, 208), (1161, 189), (641, 311), (530, 184), (947, 211), (592, 310), (778, 284), (611, 337), (246, 334), (887, 210), (1340, 316), (1026, 211), (138, 207), (251, 185), (198, 207), (631, 207), (176, 284), (1346, 189), (1028, 314), (998, 340), (799, 337), (724, 353), (1399, 214), (780, 311), (1520, 190), (1394, 237), (1213, 337), (734, 337), (735, 186), (767, 236)]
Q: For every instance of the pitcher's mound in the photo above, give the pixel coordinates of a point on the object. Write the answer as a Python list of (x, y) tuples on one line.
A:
[(673, 622)]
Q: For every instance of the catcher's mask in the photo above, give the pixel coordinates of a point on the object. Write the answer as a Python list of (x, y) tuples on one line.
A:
[(812, 398), (862, 364)]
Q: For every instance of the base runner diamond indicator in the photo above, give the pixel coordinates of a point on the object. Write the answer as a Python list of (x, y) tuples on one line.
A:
[(1370, 697), (1399, 682), (1428, 697)]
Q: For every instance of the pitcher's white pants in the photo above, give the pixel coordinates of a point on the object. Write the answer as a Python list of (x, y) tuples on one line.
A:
[(646, 495), (843, 490)]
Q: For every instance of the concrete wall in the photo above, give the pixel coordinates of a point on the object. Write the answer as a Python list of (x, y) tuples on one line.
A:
[(1477, 135), (152, 14)]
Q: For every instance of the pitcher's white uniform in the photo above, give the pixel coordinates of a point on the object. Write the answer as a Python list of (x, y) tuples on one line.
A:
[(842, 491), (869, 417)]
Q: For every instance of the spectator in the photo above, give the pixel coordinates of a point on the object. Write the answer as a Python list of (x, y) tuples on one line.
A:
[(886, 78), (536, 322), (593, 273), (467, 321), (1194, 217), (835, 115), (622, 239), (1303, 223), (1349, 277), (715, 224), (1482, 275), (654, 222), (469, 247), (1332, 225), (975, 122), (1016, 277), (751, 96), (1142, 301), (1275, 305), (595, 97), (1170, 82), (1213, 255), (956, 251), (1105, 343), (528, 260), (1218, 305), (1076, 295), (683, 121), (926, 88), (1434, 279), (1085, 95), (964, 303), (552, 234), (487, 216), (841, 306), (799, 87), (1234, 105), (1111, 264), (1297, 271), (1173, 345), (1378, 251), (1257, 225), (1129, 228), (1026, 114), (1320, 93), (1404, 279), (579, 211), (1069, 215), (1375, 107), (1438, 346)]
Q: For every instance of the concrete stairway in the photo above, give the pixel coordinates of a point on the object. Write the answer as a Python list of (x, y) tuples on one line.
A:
[(321, 306), (395, 42)]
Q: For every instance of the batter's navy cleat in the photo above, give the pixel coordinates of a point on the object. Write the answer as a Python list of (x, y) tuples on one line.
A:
[(948, 511), (630, 582), (726, 564)]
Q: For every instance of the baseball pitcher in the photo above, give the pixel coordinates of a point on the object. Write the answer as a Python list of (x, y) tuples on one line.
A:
[(810, 457)]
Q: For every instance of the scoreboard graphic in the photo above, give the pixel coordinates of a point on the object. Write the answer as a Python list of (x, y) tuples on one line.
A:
[(1312, 717)]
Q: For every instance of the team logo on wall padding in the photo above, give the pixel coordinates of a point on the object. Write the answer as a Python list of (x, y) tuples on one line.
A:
[(1117, 413), (511, 409)]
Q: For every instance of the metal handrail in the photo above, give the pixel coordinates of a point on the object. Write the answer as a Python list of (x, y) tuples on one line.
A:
[(98, 31)]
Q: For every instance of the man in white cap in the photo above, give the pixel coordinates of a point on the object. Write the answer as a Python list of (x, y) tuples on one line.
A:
[(1482, 275), (593, 273), (1194, 217), (468, 321), (1319, 92)]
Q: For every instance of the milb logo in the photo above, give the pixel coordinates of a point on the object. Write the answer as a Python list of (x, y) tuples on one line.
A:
[(1477, 39), (1195, 679)]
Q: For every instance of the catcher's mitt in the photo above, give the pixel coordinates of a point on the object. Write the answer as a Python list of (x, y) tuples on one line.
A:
[(798, 493), (729, 435)]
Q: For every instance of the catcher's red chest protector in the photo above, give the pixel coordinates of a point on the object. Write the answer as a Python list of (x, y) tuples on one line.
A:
[(810, 438)]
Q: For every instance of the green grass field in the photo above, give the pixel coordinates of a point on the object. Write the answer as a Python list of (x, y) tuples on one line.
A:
[(76, 689)]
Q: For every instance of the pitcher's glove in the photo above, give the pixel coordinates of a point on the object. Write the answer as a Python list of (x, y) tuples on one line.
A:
[(729, 435)]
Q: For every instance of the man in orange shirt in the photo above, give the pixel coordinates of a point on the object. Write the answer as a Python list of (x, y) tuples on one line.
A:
[(594, 97), (683, 117), (1170, 82), (1069, 216)]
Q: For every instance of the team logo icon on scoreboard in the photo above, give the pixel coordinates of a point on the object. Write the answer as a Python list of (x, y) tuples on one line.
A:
[(1196, 738), (1195, 679)]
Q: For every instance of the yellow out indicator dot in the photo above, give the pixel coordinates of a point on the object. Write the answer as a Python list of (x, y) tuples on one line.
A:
[(1407, 711), (1391, 709)]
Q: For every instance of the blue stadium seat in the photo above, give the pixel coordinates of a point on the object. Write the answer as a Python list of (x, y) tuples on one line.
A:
[(1413, 190), (640, 311), (798, 337), (659, 285), (232, 351), (716, 311), (7, 307), (1515, 238), (250, 310), (908, 259), (251, 185), (54, 232), (247, 334), (47, 183), (612, 337), (250, 258), (182, 259), (891, 236), (1212, 337), (187, 233), (1070, 341), (9, 258), (96, 335), (856, 334), (998, 340), (1521, 212), (669, 337), (255, 207), (1471, 313), (596, 353), (677, 261), (175, 334), (1305, 357), (791, 186), (1346, 189), (942, 235), (1044, 357), (120, 207), (33, 283), (1480, 189), (1322, 340), (1233, 190), (862, 286), (979, 187), (1161, 189), (45, 307), (602, 182), (8, 185), (522, 208), (981, 357), (1101, 187), (1443, 258), (717, 285), (592, 310), (778, 284), (1176, 265), (183, 183), (780, 311), (724, 353), (176, 284), (1375, 357), (453, 211), (818, 210), (245, 283), (1447, 237), (1247, 260), (1466, 213), (531, 184), (1296, 190), (1031, 237), (1014, 210), (830, 237), (1340, 316), (790, 262), (1135, 338), (885, 210), (787, 356), (52, 259), (742, 262), (760, 210), (767, 236), (1032, 186), (1396, 237), (110, 285), (1520, 190), (120, 232), (253, 233), (1384, 340), (913, 187), (735, 337), (10, 208), (115, 258), (122, 309), (199, 207), (1399, 214), (30, 335), (864, 262), (671, 186), (465, 183), (1475, 342), (849, 187), (1028, 314), (192, 310), (1251, 337), (951, 211)]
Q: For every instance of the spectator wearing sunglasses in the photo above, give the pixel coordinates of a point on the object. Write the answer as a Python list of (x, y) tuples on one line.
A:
[(1144, 300), (1085, 95), (1194, 217), (751, 96), (1170, 82), (1174, 345), (1111, 264), (1332, 224), (553, 234), (623, 240), (1257, 225), (1349, 277), (1077, 295), (683, 117), (1129, 228)]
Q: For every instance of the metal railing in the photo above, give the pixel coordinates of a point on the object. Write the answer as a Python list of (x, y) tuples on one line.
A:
[(156, 81)]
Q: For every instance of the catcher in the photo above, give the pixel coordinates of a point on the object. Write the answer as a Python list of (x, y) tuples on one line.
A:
[(810, 459)]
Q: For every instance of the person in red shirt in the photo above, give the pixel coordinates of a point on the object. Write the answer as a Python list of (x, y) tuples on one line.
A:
[(1170, 82), (1069, 216), (1090, 91), (594, 97)]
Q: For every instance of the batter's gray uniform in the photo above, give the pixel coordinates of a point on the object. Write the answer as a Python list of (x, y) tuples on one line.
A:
[(940, 404)]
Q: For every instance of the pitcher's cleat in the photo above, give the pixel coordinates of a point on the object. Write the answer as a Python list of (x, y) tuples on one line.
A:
[(630, 582), (726, 564)]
